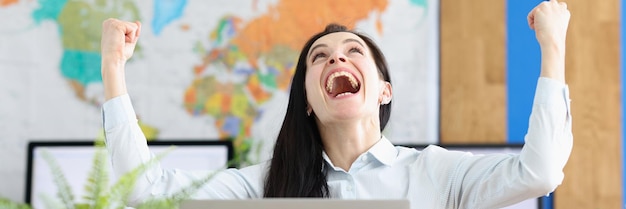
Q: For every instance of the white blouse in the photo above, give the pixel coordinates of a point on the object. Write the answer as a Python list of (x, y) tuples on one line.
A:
[(431, 178)]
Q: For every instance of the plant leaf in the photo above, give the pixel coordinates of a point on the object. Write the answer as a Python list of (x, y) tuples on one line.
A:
[(98, 179), (49, 202), (163, 203), (120, 191), (8, 204), (64, 192), (175, 199)]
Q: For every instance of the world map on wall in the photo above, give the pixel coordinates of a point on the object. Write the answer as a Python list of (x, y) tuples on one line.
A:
[(202, 69)]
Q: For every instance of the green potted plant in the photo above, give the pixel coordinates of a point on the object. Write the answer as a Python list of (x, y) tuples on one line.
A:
[(99, 193)]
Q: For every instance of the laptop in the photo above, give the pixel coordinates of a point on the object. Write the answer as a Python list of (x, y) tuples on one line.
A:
[(75, 160), (294, 203)]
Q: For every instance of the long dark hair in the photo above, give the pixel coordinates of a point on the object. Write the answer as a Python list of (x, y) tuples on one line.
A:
[(297, 166)]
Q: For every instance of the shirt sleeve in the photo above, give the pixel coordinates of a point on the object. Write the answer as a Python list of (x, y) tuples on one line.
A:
[(494, 181), (128, 150)]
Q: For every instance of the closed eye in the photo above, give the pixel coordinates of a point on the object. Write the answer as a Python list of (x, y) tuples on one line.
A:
[(318, 55), (356, 49)]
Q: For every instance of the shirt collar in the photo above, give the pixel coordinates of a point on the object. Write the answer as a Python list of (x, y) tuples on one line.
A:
[(383, 151)]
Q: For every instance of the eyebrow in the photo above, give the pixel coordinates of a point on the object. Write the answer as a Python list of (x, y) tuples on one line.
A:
[(344, 41), (353, 40)]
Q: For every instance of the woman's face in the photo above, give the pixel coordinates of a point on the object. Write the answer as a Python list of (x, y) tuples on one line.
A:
[(342, 81)]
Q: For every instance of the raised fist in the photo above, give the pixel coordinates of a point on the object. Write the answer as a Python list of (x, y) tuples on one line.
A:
[(119, 39), (550, 20)]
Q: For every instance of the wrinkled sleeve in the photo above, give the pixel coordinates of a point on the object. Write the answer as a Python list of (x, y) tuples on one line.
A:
[(494, 181), (128, 149)]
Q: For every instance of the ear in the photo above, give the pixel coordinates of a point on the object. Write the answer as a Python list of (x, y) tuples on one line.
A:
[(386, 93)]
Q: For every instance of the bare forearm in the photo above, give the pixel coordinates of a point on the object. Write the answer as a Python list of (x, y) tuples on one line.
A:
[(553, 61), (113, 78)]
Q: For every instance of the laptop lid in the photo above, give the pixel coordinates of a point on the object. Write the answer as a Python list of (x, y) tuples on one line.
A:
[(294, 203), (75, 160)]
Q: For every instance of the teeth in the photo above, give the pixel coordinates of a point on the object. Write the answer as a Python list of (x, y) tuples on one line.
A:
[(331, 80), (342, 94)]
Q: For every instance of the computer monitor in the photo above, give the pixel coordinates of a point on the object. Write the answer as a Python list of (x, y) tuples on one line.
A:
[(75, 159), (537, 203)]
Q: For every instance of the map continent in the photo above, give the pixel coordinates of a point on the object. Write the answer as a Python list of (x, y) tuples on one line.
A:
[(264, 52)]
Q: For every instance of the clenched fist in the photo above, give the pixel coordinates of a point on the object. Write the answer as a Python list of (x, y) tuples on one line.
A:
[(550, 20), (119, 39)]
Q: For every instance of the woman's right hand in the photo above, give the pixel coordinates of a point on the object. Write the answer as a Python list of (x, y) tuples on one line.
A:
[(119, 39)]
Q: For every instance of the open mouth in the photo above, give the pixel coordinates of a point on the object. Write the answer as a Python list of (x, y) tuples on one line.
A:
[(342, 83)]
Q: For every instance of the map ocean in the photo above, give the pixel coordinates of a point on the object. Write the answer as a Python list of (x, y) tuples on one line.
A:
[(202, 70)]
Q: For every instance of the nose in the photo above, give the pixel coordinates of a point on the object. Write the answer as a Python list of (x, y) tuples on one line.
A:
[(337, 56)]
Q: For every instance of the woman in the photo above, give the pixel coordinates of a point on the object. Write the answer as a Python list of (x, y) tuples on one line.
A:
[(330, 144)]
